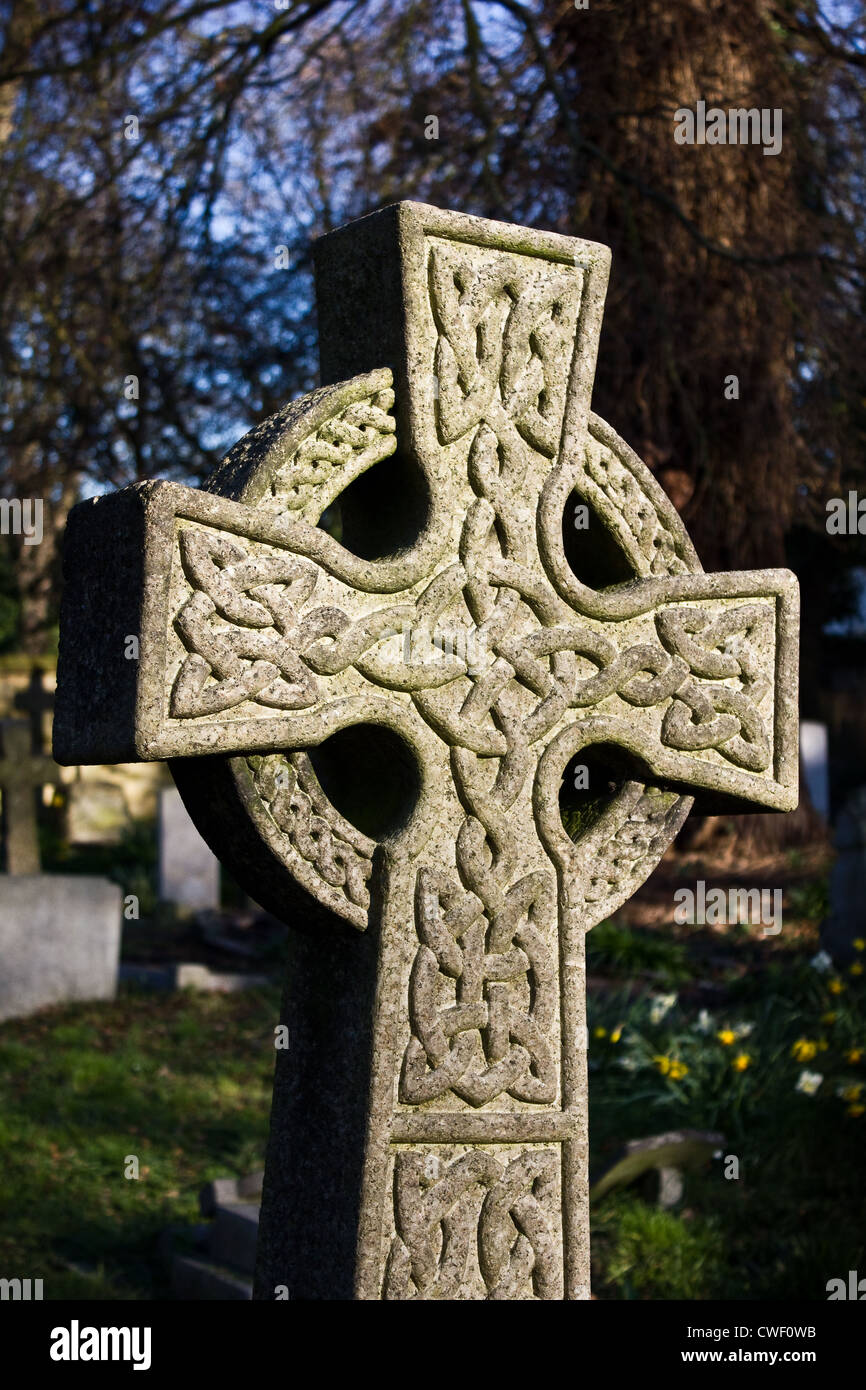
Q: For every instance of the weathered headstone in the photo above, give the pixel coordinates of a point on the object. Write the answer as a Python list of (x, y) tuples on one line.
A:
[(429, 1133), (189, 872), (814, 759), (59, 940), (96, 813), (846, 922), (22, 775)]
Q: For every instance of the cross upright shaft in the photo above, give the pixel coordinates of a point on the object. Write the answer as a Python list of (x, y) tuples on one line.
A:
[(21, 773), (428, 1134)]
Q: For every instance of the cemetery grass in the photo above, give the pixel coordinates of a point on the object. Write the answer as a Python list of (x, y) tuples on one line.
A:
[(180, 1081)]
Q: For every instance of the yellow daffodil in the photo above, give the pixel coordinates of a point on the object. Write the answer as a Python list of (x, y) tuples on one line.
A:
[(803, 1050), (616, 1034), (726, 1036), (678, 1070), (599, 1032), (854, 1055), (663, 1064), (836, 986), (859, 943), (741, 1061), (829, 1019), (856, 968), (855, 1111)]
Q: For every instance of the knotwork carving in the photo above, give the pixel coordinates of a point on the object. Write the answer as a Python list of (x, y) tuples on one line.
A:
[(503, 324), (459, 1017), (253, 653), (494, 1034), (646, 820), (251, 635), (617, 496), (361, 434), (501, 1215), (294, 799)]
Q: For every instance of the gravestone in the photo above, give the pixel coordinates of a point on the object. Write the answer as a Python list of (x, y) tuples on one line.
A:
[(96, 813), (847, 888), (59, 940), (189, 872), (23, 773), (429, 1124), (59, 934), (667, 1156), (815, 763)]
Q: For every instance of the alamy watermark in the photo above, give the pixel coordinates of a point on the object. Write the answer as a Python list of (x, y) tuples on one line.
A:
[(854, 1290), (846, 516), (77, 1343), (21, 518), (416, 645), (714, 907), (20, 1290), (739, 126)]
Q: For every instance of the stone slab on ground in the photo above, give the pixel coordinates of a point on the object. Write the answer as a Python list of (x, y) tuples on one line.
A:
[(59, 941), (230, 1192), (668, 1154), (234, 1236), (198, 1280), (224, 1268), (189, 975)]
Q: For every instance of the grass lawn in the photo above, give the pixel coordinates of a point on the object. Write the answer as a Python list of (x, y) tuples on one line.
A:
[(180, 1081)]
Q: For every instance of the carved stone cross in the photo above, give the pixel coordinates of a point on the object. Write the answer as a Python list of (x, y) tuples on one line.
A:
[(22, 774), (38, 704), (429, 1135)]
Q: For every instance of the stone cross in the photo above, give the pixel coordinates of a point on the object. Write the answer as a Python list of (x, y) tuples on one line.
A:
[(36, 702), (21, 773), (515, 593)]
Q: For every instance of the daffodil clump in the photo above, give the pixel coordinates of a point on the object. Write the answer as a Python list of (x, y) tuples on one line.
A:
[(804, 1037)]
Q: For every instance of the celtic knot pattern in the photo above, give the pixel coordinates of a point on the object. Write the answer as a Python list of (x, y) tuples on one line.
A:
[(648, 821), (295, 801), (358, 436), (503, 330), (494, 1033), (255, 652), (616, 494), (490, 656), (499, 1218)]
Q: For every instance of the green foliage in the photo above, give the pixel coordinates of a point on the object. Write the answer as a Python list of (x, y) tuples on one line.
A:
[(811, 899), (618, 950), (646, 1252)]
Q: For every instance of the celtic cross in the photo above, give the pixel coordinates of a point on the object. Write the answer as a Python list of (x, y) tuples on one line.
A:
[(428, 1134)]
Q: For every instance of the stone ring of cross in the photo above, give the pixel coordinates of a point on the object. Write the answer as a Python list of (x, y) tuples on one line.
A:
[(443, 557)]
